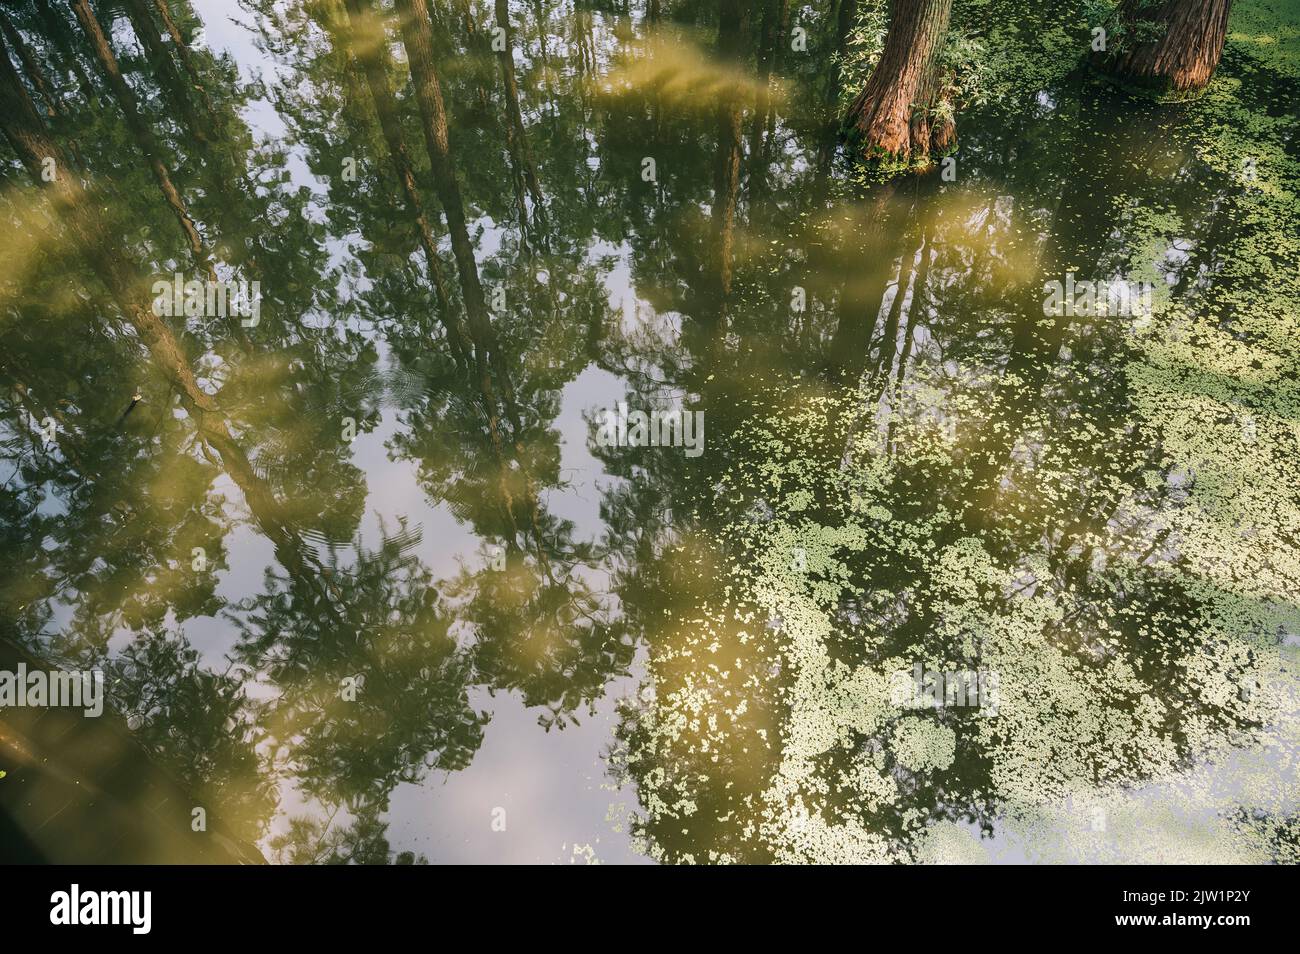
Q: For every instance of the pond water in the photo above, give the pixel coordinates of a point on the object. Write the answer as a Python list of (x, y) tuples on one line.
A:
[(772, 514)]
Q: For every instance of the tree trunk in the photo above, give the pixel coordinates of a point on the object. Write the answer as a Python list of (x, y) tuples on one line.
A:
[(169, 78), (768, 41), (35, 75), (880, 119), (731, 24), (889, 335), (726, 191), (1182, 59), (182, 48), (516, 138), (489, 361), (186, 57), (916, 309), (418, 39), (23, 127), (140, 131), (783, 35), (30, 66), (57, 33), (862, 293), (367, 50)]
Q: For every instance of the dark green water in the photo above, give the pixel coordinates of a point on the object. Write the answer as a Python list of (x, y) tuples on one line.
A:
[(358, 600)]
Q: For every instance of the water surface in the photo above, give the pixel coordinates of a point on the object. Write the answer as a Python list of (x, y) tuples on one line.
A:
[(366, 602)]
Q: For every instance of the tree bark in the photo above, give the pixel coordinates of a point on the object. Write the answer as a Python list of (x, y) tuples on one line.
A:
[(186, 56), (140, 131), (23, 127), (418, 40), (889, 336), (30, 65), (781, 37), (35, 75), (880, 118), (1186, 53), (516, 138), (726, 189), (182, 48), (768, 41), (366, 49), (57, 33), (137, 11)]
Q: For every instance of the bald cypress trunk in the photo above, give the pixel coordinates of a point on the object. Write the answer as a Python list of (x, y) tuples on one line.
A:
[(1171, 47), (186, 56), (491, 371), (417, 38), (903, 83), (367, 50), (726, 189), (768, 41), (56, 32), (36, 76), (30, 139), (726, 192), (140, 130), (142, 23), (182, 48), (30, 66), (26, 132), (516, 137), (782, 38), (174, 31)]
